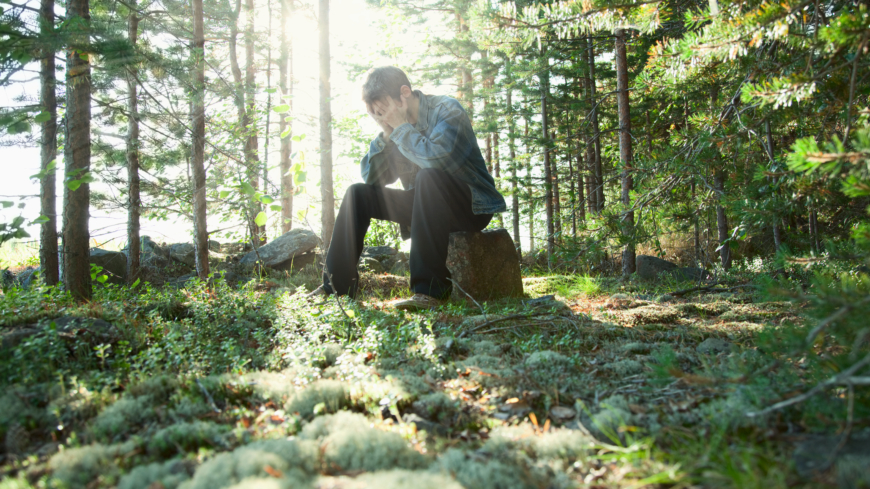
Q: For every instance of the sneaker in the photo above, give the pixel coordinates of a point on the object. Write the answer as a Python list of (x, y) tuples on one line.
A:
[(419, 302)]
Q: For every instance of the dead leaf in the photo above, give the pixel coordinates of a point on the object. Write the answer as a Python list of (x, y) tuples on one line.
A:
[(273, 472)]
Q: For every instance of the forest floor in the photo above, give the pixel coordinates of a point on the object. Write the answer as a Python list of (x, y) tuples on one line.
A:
[(611, 383)]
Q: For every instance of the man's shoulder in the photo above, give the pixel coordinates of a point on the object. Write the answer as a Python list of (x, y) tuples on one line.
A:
[(443, 101)]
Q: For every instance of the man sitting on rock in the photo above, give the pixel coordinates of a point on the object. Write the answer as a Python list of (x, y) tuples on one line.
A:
[(428, 143)]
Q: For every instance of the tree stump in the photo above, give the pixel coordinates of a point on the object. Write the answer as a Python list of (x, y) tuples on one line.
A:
[(485, 265)]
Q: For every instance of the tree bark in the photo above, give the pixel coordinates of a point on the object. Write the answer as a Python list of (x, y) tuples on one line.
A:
[(252, 153), (77, 149), (625, 154), (515, 200), (497, 173), (197, 157), (48, 150), (530, 196), (327, 219), (548, 176), (133, 195), (557, 198), (722, 219), (285, 64), (596, 133)]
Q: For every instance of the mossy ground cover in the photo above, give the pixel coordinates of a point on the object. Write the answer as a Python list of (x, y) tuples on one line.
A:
[(627, 386)]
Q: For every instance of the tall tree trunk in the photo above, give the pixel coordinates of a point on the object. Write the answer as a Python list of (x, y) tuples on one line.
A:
[(487, 149), (133, 196), (465, 92), (515, 198), (48, 149), (529, 187), (77, 149), (197, 155), (722, 219), (596, 133), (557, 198), (252, 153), (628, 255), (285, 64), (719, 187), (548, 175), (497, 174), (326, 193), (777, 235)]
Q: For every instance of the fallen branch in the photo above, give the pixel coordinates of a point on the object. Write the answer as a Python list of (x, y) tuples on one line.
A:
[(208, 396), (469, 296), (524, 315), (709, 288), (844, 377)]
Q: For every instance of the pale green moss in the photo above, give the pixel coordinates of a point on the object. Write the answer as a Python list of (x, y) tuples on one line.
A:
[(436, 406), (405, 479), (169, 475), (329, 395), (293, 458), (624, 368), (186, 437), (123, 417), (77, 467), (348, 443)]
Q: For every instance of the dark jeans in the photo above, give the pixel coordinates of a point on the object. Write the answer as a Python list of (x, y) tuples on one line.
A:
[(437, 206)]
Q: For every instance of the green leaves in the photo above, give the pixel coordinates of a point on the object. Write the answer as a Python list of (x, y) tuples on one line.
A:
[(42, 117), (260, 220), (75, 179), (281, 108)]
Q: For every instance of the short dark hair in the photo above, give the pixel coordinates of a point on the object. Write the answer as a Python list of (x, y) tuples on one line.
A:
[(382, 82)]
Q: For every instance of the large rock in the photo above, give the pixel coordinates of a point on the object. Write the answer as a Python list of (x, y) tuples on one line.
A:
[(485, 265), (282, 249), (650, 267), (91, 331), (183, 253), (849, 459), (114, 264)]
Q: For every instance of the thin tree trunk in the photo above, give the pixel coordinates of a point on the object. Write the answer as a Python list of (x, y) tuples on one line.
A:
[(722, 219), (530, 197), (719, 186), (197, 155), (497, 174), (48, 150), (557, 199), (596, 133), (133, 196), (628, 255), (285, 64), (326, 193), (77, 149), (252, 156), (548, 176), (515, 198), (589, 132), (777, 235)]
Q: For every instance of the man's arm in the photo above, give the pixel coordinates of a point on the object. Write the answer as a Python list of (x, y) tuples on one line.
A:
[(375, 166), (449, 144)]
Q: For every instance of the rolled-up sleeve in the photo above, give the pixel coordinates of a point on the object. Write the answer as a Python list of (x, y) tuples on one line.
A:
[(375, 166), (448, 145)]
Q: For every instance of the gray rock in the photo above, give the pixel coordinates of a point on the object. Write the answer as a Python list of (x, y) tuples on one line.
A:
[(664, 298), (297, 262), (694, 274), (183, 253), (114, 264), (25, 278), (430, 427), (714, 346), (379, 252), (485, 265), (650, 267), (7, 278), (400, 268), (282, 249), (372, 265), (815, 455), (214, 246)]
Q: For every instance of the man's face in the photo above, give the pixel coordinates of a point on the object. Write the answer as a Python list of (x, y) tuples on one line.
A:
[(379, 107)]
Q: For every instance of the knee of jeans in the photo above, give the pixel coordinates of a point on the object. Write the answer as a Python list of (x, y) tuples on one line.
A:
[(426, 175), (356, 189)]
